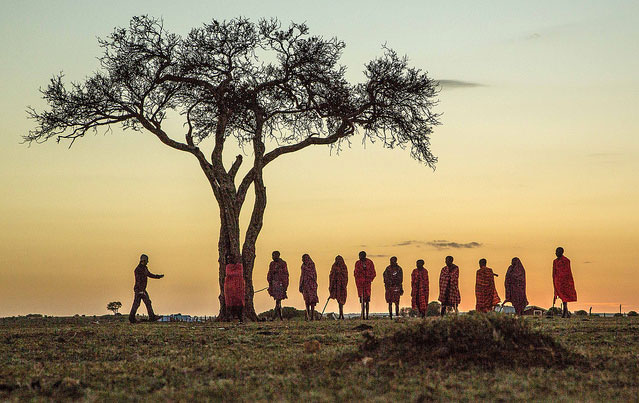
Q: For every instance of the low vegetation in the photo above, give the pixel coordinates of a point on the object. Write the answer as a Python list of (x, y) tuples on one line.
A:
[(106, 358)]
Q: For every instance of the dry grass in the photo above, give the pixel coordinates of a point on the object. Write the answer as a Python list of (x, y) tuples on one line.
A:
[(64, 359)]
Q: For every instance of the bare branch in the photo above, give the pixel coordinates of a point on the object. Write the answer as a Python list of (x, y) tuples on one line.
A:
[(236, 166)]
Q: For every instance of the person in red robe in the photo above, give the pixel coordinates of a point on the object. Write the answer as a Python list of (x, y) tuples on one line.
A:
[(563, 281), (449, 295), (338, 280), (516, 286), (485, 291), (419, 288), (393, 283), (234, 287), (364, 275), (308, 285), (277, 278)]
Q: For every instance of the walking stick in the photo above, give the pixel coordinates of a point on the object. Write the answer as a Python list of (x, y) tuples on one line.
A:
[(322, 314), (266, 288)]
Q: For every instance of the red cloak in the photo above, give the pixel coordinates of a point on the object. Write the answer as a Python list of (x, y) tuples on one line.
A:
[(234, 285), (419, 289), (364, 275), (449, 286), (515, 284), (277, 278), (485, 291), (563, 281), (338, 280), (393, 283), (308, 282)]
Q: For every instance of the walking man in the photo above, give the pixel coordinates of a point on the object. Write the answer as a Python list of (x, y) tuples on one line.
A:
[(142, 273)]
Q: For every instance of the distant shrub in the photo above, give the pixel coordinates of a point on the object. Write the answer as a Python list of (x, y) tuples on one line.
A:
[(554, 311), (434, 308), (618, 315), (581, 313), (633, 313), (287, 313), (408, 312)]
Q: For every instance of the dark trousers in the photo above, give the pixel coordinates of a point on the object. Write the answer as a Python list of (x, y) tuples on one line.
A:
[(141, 296)]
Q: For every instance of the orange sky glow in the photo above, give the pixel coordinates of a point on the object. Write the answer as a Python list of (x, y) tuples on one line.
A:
[(538, 148)]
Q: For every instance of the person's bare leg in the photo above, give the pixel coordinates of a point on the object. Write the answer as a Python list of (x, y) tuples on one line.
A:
[(564, 314), (279, 309), (456, 310), (362, 302), (312, 312), (341, 311), (443, 311), (397, 310), (367, 306), (240, 314), (390, 310)]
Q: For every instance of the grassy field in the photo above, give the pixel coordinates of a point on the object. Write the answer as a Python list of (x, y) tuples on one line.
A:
[(81, 358)]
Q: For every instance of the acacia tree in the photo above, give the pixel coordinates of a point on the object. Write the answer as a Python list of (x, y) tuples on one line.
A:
[(114, 306), (255, 84)]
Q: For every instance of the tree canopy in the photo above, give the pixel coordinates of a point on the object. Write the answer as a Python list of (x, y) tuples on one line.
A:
[(242, 79)]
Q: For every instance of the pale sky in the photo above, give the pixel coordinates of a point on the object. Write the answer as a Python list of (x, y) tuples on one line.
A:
[(541, 151)]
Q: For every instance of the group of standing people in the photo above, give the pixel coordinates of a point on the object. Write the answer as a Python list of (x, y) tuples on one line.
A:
[(486, 294)]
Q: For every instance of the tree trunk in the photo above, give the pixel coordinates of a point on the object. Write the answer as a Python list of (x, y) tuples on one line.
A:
[(229, 243)]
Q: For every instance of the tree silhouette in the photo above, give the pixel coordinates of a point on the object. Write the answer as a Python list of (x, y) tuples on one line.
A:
[(257, 84), (114, 306)]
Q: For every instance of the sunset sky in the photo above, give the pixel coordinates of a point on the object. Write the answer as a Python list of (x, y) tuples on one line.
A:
[(538, 148)]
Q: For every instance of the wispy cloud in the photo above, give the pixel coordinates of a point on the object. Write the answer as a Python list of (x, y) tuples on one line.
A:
[(377, 255), (533, 36), (441, 244), (458, 84), (587, 262)]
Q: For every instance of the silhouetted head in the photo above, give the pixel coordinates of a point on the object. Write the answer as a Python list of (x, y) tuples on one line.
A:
[(559, 252), (393, 261), (144, 259), (339, 259), (306, 258), (515, 261), (362, 255), (482, 262), (449, 260), (276, 255), (420, 263)]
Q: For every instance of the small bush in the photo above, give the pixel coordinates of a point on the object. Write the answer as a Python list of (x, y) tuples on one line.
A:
[(633, 313), (485, 340), (434, 309), (554, 311), (618, 315), (581, 313)]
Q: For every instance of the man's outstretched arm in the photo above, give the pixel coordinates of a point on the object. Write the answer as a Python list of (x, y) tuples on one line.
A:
[(149, 274)]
